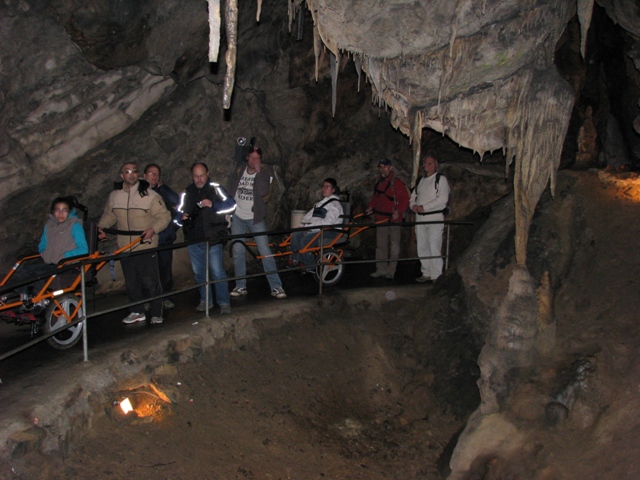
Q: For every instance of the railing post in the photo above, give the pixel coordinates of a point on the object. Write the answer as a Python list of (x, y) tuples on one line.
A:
[(320, 269), (206, 287), (83, 298), (446, 258)]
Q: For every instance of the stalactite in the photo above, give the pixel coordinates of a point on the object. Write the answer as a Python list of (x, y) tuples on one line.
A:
[(231, 24), (357, 61), (258, 11), (415, 134), (214, 30), (542, 119), (585, 10), (317, 43), (335, 63)]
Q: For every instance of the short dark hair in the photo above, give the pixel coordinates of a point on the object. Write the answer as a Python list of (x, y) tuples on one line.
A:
[(206, 169), (66, 200), (333, 183), (151, 165)]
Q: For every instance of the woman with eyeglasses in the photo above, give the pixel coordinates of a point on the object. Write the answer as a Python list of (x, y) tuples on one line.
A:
[(63, 235), (327, 211)]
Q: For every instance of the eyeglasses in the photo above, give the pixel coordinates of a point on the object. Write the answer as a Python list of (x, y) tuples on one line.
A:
[(327, 186), (258, 150), (61, 210), (129, 171)]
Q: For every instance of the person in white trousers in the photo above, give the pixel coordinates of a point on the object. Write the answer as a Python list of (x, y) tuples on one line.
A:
[(428, 200)]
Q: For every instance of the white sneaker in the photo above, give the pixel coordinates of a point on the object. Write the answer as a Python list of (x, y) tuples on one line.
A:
[(156, 320), (134, 317), (238, 292), (278, 292)]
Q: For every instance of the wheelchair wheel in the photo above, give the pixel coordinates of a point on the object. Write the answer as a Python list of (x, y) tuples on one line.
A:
[(57, 316), (329, 270)]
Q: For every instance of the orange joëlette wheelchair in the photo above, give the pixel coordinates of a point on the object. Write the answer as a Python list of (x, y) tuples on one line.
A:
[(53, 300), (328, 267)]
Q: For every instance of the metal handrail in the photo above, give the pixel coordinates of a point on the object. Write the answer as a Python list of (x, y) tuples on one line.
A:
[(208, 281)]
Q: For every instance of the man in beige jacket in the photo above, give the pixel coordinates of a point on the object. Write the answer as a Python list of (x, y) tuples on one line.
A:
[(137, 211)]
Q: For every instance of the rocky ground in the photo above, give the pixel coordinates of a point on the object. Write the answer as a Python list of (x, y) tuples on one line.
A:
[(344, 392)]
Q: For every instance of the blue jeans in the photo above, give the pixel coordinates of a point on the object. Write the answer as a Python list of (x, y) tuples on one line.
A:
[(240, 226), (216, 271)]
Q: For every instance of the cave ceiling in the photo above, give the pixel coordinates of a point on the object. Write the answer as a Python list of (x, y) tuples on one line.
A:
[(78, 74)]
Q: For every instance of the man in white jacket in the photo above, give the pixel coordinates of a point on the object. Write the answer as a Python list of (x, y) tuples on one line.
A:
[(428, 201), (328, 211)]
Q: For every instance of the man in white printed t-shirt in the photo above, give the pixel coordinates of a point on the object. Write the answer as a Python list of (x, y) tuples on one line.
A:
[(250, 186)]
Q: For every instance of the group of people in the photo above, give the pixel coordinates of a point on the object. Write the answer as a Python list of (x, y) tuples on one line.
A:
[(428, 200), (149, 209), (142, 207)]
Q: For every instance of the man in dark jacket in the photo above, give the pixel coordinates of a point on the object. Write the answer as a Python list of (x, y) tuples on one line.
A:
[(171, 199), (204, 205), (389, 202), (250, 185)]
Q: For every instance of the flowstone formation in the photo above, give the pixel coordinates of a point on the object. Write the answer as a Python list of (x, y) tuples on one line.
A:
[(481, 73)]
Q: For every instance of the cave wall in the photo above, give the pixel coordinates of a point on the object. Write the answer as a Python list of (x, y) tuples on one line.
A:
[(104, 83)]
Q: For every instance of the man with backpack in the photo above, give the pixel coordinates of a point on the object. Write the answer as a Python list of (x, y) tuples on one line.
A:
[(429, 201), (389, 202)]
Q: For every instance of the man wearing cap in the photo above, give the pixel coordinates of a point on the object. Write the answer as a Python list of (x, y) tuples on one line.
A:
[(389, 202)]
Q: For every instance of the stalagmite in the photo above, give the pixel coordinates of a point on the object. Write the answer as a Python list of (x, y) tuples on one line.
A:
[(214, 30), (231, 23)]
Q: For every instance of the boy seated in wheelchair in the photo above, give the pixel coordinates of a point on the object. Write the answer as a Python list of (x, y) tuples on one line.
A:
[(62, 237), (328, 211)]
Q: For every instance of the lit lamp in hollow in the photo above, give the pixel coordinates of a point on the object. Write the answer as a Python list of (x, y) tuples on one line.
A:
[(125, 405)]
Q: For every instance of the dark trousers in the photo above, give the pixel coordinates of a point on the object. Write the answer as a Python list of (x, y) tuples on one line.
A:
[(142, 281), (165, 266)]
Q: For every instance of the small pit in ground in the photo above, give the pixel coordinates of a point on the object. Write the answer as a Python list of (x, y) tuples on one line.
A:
[(337, 392)]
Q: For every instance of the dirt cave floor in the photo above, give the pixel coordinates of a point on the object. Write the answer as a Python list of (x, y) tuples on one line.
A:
[(315, 398), (346, 392)]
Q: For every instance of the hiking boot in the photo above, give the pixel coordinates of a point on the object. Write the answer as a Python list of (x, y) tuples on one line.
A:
[(388, 276), (424, 279), (134, 317), (202, 307), (225, 309), (156, 320), (168, 304), (377, 274), (238, 292), (278, 292)]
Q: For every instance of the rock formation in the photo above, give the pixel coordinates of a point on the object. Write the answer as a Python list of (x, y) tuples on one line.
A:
[(88, 84)]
